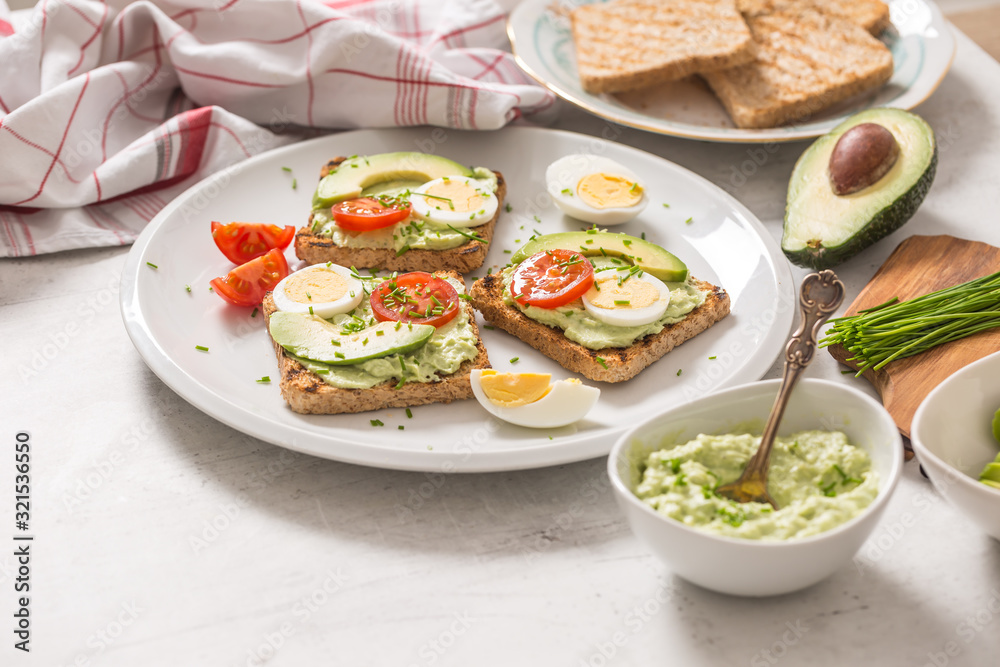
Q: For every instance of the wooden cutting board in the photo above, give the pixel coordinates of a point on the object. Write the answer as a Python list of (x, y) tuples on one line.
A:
[(923, 264)]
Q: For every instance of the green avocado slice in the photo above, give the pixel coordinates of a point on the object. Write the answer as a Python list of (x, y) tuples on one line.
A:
[(650, 257), (314, 338), (361, 173), (823, 229)]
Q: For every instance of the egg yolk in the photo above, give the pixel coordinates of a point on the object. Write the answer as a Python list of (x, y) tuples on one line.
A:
[(632, 293), (464, 197), (509, 390), (608, 191), (315, 287)]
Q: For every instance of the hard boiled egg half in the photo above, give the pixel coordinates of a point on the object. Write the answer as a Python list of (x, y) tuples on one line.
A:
[(595, 189), (626, 298), (454, 200), (533, 399), (321, 289)]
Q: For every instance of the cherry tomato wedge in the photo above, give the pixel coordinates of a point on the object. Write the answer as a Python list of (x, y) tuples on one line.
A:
[(361, 215), (247, 284), (551, 278), (416, 297), (242, 241)]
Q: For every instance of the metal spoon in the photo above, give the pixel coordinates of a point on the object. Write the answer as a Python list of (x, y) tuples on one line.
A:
[(819, 295)]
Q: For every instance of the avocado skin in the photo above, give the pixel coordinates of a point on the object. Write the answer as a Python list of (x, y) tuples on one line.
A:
[(883, 223)]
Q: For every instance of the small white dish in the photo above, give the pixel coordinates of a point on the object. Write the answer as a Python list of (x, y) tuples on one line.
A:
[(749, 567), (952, 435), (920, 40)]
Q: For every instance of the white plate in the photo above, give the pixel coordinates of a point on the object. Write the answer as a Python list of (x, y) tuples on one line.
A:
[(723, 244), (920, 40)]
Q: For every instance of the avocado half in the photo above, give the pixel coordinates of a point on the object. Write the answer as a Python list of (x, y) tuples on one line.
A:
[(823, 229)]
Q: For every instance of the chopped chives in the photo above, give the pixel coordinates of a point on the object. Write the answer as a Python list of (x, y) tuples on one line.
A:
[(287, 169), (339, 355), (689, 221), (152, 265), (400, 427), (712, 358), (253, 314), (508, 208), (513, 360), (602, 362), (666, 206), (490, 327), (622, 302), (679, 371), (376, 422), (201, 347), (266, 378), (409, 413), (295, 183), (187, 288)]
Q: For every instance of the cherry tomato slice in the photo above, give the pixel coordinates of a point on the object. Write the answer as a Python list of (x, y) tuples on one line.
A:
[(242, 241), (247, 284), (416, 297), (361, 215), (551, 278)]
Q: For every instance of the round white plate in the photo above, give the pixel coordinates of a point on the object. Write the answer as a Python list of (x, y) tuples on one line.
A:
[(723, 244), (920, 39)]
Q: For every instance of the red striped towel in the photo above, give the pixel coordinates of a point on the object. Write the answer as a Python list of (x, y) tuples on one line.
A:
[(109, 110)]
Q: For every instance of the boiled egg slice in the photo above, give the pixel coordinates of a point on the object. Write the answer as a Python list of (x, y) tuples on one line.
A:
[(595, 189), (626, 299), (532, 399), (454, 200), (321, 289)]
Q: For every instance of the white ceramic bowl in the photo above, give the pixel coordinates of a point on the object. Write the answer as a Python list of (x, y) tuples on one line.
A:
[(952, 436), (748, 567)]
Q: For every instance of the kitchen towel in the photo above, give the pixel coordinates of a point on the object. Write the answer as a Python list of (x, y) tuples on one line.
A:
[(108, 110)]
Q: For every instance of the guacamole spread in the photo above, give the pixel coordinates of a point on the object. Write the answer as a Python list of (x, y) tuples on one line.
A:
[(448, 347), (817, 478), (410, 234), (580, 327)]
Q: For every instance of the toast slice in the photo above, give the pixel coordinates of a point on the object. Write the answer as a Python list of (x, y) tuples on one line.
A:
[(872, 15), (806, 61), (623, 363), (628, 44), (315, 249), (307, 393)]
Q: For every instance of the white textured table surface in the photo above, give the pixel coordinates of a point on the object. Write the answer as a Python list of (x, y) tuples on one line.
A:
[(166, 538)]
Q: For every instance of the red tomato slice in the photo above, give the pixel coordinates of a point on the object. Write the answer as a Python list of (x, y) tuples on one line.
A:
[(415, 297), (551, 278), (361, 215), (247, 284), (242, 241)]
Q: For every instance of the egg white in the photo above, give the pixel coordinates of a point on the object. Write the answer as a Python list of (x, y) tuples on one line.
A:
[(629, 317), (324, 309), (566, 403), (563, 176), (436, 210)]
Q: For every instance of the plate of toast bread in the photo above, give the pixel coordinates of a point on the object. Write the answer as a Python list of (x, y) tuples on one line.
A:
[(733, 70), (382, 370)]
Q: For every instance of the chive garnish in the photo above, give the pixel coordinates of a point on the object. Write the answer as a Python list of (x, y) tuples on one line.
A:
[(379, 332), (679, 371), (400, 427), (409, 413), (187, 288), (451, 204), (201, 348), (295, 183), (508, 208), (152, 265), (376, 422), (469, 235), (287, 169), (689, 221), (666, 206), (254, 313), (623, 302), (602, 362), (339, 355), (513, 360), (712, 358), (266, 378), (643, 236)]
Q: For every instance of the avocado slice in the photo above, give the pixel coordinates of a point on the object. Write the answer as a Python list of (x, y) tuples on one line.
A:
[(360, 173), (823, 229), (314, 338), (650, 257)]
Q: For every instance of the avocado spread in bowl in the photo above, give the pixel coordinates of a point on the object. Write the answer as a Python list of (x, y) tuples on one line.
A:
[(818, 479)]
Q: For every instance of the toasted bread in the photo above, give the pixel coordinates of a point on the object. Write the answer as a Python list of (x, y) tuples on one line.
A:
[(628, 44), (467, 257), (805, 61), (622, 363), (872, 15), (307, 393)]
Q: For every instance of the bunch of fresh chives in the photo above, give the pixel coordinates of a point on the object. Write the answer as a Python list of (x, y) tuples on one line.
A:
[(896, 330)]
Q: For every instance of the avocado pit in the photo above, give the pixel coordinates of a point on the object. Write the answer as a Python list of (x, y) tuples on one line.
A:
[(861, 157)]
